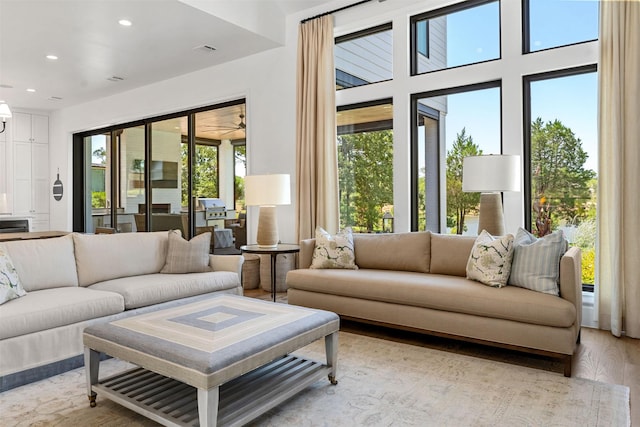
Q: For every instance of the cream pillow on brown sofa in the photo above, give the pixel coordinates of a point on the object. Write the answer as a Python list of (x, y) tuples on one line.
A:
[(490, 259), (187, 256), (334, 251)]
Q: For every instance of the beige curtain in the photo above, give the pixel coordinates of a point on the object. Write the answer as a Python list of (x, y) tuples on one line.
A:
[(619, 168), (316, 153)]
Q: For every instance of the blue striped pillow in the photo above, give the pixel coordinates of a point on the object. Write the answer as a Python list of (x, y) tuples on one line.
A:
[(536, 262)]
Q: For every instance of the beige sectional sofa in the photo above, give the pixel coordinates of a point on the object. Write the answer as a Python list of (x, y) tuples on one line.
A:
[(417, 281), (77, 280)]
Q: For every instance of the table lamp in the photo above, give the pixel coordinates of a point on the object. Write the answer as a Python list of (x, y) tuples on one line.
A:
[(490, 175), (267, 191)]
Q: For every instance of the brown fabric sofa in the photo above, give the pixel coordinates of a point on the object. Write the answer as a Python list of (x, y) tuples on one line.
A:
[(417, 281)]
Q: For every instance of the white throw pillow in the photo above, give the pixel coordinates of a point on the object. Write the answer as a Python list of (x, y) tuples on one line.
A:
[(490, 259), (187, 256), (334, 251), (536, 262), (10, 285)]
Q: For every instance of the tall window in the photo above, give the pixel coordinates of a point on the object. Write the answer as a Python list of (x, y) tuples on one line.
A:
[(450, 125), (365, 164), (562, 158)]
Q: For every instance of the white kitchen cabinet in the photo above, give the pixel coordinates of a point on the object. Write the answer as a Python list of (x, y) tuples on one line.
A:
[(30, 128), (31, 195)]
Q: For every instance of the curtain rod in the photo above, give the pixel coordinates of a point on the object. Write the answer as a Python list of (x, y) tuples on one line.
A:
[(336, 10)]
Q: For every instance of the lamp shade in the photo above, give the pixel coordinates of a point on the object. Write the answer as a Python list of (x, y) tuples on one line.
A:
[(5, 112), (265, 190), (491, 173)]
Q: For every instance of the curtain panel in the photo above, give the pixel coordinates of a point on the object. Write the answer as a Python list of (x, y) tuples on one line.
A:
[(316, 151), (619, 157)]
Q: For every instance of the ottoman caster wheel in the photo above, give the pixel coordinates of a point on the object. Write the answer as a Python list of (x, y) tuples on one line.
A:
[(333, 380), (92, 401)]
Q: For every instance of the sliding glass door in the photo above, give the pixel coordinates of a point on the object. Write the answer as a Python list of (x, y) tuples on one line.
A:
[(163, 173)]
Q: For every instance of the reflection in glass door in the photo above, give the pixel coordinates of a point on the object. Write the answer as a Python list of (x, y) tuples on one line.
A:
[(167, 172), (131, 183)]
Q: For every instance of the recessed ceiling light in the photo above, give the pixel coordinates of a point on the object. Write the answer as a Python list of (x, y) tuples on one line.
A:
[(125, 22), (52, 57), (31, 90)]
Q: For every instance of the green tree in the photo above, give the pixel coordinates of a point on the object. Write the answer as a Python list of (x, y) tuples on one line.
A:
[(459, 203), (205, 172), (365, 163), (240, 156), (560, 184), (101, 154), (346, 154)]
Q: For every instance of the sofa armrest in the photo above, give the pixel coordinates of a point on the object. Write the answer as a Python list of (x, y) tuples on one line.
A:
[(227, 263), (571, 279), (306, 253)]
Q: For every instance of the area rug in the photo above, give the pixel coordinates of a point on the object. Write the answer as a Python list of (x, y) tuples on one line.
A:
[(381, 383)]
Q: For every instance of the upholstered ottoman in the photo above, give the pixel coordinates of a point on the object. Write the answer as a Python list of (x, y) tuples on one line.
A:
[(223, 360)]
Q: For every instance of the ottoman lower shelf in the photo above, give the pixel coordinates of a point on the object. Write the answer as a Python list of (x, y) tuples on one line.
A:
[(173, 403)]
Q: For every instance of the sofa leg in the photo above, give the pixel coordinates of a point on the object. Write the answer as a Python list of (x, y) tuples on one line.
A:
[(579, 336), (567, 366)]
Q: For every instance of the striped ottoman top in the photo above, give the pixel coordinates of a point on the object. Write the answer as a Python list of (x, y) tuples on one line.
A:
[(211, 341)]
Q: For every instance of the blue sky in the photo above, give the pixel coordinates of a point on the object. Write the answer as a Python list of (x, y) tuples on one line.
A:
[(473, 36)]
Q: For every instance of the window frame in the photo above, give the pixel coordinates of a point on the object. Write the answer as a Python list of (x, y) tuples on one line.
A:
[(526, 119), (526, 33), (437, 13), (414, 168), (350, 80)]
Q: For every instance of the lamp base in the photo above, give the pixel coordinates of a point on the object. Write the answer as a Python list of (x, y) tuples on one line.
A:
[(267, 227), (491, 215)]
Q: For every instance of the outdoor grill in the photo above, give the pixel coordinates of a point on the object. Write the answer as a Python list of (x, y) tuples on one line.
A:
[(213, 208)]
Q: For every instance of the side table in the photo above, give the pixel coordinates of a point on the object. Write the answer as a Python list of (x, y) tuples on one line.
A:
[(282, 248)]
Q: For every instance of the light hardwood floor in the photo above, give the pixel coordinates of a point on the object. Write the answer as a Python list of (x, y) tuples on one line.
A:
[(600, 356)]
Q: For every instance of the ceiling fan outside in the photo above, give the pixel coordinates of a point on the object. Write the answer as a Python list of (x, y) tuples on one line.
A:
[(238, 126)]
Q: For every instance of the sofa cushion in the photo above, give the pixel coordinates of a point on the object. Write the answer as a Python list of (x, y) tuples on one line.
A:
[(333, 251), (187, 256), (394, 251), (140, 291), (101, 257), (450, 253), (52, 308), (44, 263), (536, 262), (439, 292), (490, 259), (10, 285)]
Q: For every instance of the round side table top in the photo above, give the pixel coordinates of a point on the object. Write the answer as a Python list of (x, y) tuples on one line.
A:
[(282, 248)]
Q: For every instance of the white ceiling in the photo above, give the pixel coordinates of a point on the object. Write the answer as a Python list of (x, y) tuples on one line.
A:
[(92, 47)]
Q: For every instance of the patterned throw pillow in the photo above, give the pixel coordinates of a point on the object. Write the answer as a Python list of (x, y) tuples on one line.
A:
[(187, 256), (334, 251), (490, 259), (536, 262), (10, 286)]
